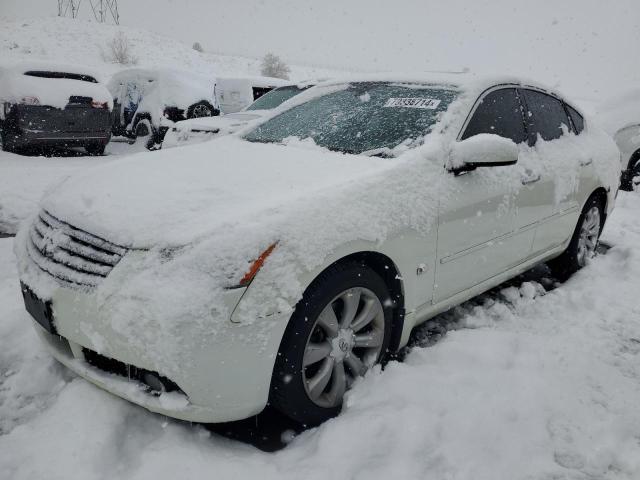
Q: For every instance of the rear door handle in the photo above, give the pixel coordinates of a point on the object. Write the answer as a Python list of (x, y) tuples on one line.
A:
[(584, 163), (531, 179)]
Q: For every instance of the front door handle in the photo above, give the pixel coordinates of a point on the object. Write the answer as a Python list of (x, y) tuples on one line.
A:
[(584, 163), (531, 179)]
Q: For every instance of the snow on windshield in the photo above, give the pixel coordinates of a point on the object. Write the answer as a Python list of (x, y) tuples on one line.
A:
[(364, 117)]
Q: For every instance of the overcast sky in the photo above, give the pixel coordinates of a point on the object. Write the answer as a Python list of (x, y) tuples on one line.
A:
[(560, 42)]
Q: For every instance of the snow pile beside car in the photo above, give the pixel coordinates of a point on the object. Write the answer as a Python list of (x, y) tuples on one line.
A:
[(529, 384)]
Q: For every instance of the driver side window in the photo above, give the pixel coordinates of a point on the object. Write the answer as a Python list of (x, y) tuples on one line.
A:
[(499, 113)]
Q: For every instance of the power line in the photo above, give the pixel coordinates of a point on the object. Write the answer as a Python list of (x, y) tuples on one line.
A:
[(103, 10)]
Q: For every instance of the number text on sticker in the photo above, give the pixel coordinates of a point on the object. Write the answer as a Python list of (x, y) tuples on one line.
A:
[(413, 102)]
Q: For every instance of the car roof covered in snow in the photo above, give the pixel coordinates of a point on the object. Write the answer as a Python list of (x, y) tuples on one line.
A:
[(51, 91), (464, 80), (259, 81), (21, 67), (158, 73)]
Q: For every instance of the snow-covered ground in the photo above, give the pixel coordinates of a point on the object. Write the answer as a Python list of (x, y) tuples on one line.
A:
[(529, 382)]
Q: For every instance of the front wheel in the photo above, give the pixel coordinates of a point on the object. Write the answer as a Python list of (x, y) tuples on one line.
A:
[(146, 134), (5, 146), (584, 242), (201, 109), (339, 330)]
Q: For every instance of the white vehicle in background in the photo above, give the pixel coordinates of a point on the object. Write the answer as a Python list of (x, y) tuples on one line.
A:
[(290, 266), (628, 141), (148, 101), (620, 116), (201, 129), (236, 93)]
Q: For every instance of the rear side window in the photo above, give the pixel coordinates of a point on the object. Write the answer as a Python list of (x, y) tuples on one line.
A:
[(545, 116), (576, 118), (64, 75), (500, 113)]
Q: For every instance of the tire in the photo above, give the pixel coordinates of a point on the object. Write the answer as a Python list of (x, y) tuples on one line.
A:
[(146, 134), (318, 340), (584, 242), (628, 184), (634, 175), (96, 148), (202, 109), (5, 145)]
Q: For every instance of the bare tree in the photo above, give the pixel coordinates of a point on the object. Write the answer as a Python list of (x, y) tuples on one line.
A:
[(274, 66), (119, 51), (197, 47)]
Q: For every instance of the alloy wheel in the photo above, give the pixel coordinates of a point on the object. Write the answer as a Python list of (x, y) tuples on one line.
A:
[(345, 342), (589, 234), (201, 110)]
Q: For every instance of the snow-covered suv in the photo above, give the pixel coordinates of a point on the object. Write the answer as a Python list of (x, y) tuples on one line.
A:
[(148, 101)]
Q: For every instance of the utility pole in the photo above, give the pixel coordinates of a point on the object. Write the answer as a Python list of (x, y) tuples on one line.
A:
[(68, 8), (103, 10)]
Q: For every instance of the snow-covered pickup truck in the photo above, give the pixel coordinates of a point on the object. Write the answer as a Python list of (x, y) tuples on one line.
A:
[(148, 101), (46, 104), (200, 129)]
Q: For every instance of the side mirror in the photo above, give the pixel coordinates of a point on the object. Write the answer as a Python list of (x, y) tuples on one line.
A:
[(484, 150)]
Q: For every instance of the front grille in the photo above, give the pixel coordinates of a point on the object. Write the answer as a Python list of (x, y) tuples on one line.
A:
[(70, 255), (154, 382)]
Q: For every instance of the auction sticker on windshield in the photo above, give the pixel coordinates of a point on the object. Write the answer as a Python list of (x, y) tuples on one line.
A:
[(413, 102)]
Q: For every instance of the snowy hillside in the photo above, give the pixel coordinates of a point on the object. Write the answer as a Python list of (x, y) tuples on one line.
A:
[(83, 42)]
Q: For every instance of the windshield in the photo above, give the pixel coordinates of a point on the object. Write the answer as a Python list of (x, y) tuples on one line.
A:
[(370, 118), (275, 97)]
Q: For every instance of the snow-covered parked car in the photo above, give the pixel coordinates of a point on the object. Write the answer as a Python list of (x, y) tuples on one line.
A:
[(236, 93), (45, 104), (200, 129), (315, 242), (620, 117), (148, 101), (628, 141)]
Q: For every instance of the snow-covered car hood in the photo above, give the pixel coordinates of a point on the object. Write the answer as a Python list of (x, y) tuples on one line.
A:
[(226, 123), (171, 197)]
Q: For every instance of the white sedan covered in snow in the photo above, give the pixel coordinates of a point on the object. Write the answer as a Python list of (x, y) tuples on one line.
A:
[(281, 263)]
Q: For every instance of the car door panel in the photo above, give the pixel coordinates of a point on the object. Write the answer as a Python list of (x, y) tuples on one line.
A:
[(476, 238), (554, 157), (474, 229)]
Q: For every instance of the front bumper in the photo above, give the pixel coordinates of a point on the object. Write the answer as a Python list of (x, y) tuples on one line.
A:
[(176, 137), (223, 375)]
